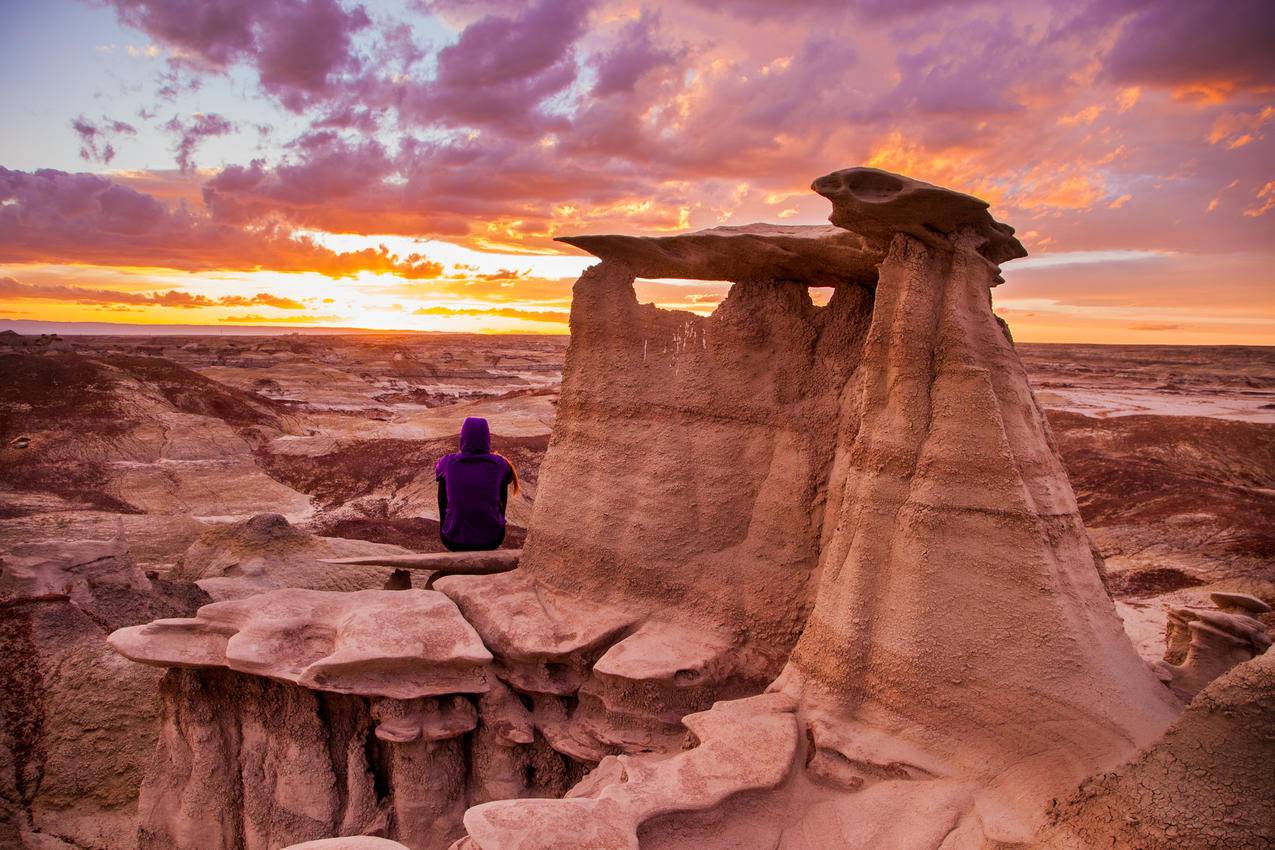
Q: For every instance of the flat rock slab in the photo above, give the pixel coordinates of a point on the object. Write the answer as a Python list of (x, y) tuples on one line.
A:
[(667, 653), (816, 255), (354, 842), (402, 644), (526, 621), (454, 563)]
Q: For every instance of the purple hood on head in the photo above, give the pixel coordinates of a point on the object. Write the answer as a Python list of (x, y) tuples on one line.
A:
[(475, 436), (474, 480)]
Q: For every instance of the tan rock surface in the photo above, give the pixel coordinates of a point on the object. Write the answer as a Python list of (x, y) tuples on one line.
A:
[(249, 762), (266, 552), (745, 746), (943, 483), (953, 490), (878, 204), (1206, 784), (400, 644), (78, 723), (687, 473), (818, 255)]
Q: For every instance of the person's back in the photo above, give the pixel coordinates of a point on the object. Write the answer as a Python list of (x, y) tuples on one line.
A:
[(473, 491)]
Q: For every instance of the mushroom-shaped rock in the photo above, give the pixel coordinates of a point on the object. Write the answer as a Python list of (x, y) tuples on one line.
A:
[(806, 254), (400, 644), (1203, 644), (877, 204)]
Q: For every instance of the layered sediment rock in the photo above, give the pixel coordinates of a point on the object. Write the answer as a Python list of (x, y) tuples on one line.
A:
[(78, 723), (857, 508)]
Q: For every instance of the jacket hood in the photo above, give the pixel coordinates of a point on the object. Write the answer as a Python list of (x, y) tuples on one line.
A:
[(475, 438)]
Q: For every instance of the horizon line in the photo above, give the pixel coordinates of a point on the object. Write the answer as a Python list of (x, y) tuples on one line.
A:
[(123, 329)]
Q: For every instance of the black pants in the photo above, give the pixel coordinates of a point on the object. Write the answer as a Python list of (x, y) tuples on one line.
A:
[(453, 546)]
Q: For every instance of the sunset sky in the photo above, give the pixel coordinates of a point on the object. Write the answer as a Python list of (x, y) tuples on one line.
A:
[(308, 163)]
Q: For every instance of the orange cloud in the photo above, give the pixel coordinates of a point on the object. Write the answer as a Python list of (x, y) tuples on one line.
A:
[(552, 316), (12, 289)]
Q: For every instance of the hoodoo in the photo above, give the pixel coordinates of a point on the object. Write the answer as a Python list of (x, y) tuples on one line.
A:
[(797, 576), (960, 660)]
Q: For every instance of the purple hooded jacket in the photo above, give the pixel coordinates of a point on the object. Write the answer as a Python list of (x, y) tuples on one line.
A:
[(472, 490)]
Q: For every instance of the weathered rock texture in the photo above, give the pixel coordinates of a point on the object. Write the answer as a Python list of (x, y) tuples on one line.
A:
[(1202, 644), (299, 714), (861, 499), (960, 661), (1206, 784), (398, 644), (266, 552), (78, 723)]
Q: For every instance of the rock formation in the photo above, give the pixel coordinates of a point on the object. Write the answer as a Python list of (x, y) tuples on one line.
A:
[(1202, 644), (1207, 783), (78, 723), (266, 552), (326, 713), (796, 576), (960, 659)]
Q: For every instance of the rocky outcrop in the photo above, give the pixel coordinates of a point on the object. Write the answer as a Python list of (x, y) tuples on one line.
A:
[(398, 644), (325, 713), (78, 723), (1201, 644), (266, 552), (1206, 784)]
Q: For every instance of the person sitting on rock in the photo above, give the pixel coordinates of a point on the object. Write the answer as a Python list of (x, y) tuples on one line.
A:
[(473, 491)]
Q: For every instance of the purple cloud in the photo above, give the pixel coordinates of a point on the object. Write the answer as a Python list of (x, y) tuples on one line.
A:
[(1181, 43), (502, 69), (298, 47), (191, 134), (97, 140)]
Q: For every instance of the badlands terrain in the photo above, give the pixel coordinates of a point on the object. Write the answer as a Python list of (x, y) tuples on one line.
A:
[(231, 470), (168, 441)]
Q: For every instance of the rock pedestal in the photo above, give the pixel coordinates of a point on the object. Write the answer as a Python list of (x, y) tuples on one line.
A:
[(954, 656), (298, 714)]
